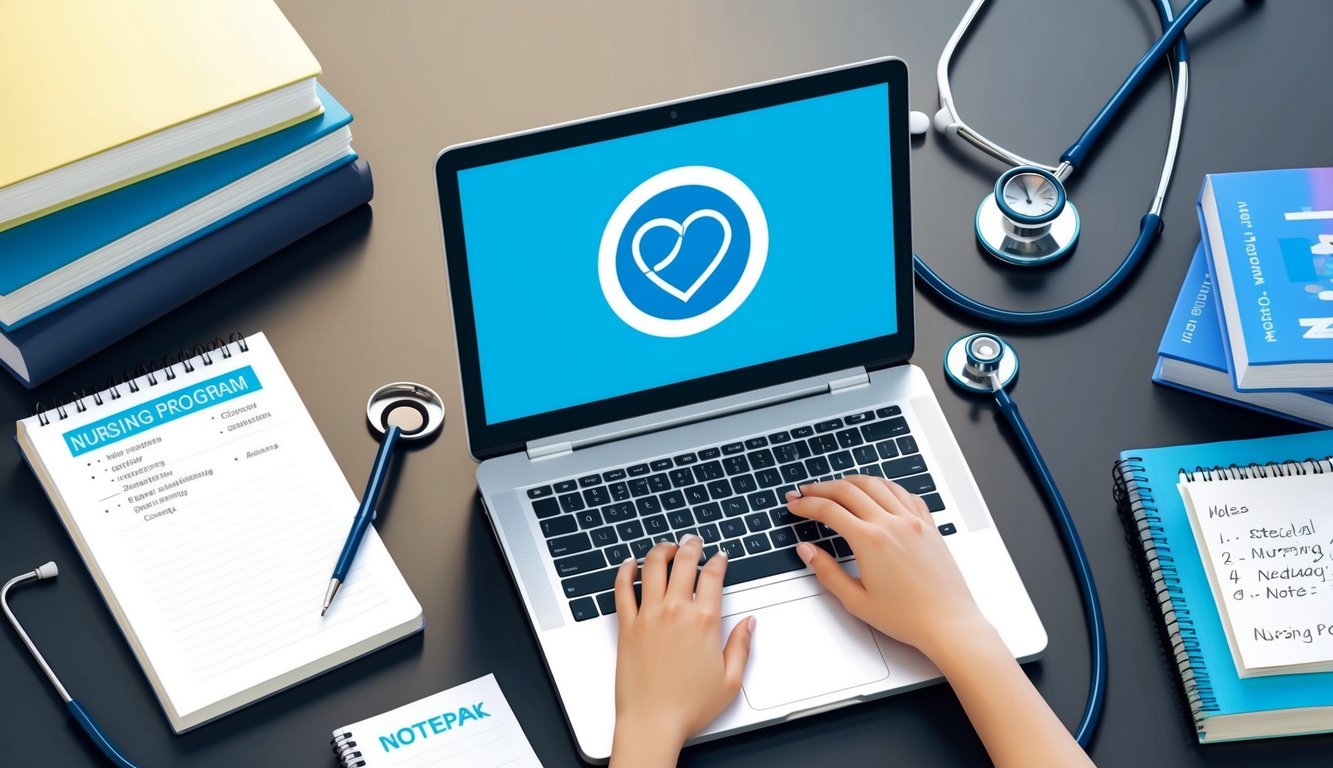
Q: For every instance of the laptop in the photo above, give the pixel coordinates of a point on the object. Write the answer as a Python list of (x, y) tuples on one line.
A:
[(667, 318)]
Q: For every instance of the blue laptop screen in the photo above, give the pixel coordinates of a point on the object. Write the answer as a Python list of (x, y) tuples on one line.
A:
[(638, 262)]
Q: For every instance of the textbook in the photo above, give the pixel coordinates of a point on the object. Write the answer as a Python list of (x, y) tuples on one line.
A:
[(1191, 356), (1269, 240), (467, 726), (52, 260), (1225, 704), (41, 349), (209, 512), (99, 94)]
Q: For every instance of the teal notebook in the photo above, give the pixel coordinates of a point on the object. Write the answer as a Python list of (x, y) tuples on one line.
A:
[(1224, 706)]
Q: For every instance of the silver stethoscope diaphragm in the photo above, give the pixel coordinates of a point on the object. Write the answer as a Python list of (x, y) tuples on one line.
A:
[(980, 362), (415, 409)]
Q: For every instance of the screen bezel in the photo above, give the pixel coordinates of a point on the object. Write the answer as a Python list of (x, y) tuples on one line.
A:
[(487, 440)]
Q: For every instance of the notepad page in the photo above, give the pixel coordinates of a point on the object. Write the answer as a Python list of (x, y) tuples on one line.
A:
[(214, 512), (1266, 545)]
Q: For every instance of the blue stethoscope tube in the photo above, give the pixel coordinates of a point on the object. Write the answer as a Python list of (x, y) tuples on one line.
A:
[(1150, 226)]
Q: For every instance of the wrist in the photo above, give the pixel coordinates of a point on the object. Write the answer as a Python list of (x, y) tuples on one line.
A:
[(962, 644), (646, 741)]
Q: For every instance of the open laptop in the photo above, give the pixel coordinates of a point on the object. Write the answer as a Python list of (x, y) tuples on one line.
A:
[(668, 317)]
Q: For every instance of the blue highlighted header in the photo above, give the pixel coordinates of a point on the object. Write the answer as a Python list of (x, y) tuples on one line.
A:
[(182, 402)]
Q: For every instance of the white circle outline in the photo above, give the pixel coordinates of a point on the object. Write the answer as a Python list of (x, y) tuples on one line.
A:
[(700, 175)]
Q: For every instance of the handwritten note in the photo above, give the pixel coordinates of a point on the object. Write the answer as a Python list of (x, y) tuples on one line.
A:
[(1266, 545)]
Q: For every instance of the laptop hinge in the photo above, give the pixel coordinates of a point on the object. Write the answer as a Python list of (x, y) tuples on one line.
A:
[(857, 380), (549, 450)]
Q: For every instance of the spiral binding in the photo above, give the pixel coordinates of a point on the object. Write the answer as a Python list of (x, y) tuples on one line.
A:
[(1290, 468), (149, 374), (1138, 510), (344, 747)]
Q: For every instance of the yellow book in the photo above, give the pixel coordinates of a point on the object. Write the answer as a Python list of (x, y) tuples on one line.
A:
[(99, 94)]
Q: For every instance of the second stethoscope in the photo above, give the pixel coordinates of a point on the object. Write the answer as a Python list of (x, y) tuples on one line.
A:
[(1027, 219)]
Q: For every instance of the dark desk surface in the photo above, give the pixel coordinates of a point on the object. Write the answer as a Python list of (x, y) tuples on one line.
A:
[(362, 302)]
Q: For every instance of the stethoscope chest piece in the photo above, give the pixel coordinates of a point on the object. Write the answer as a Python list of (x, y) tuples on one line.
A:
[(1027, 220), (973, 360), (414, 409)]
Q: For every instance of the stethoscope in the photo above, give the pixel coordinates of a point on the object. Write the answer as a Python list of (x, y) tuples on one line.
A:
[(76, 709), (1027, 220)]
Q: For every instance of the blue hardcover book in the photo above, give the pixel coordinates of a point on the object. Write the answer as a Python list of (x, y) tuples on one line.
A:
[(1192, 356), (53, 260), (1269, 239), (1225, 706), (48, 346)]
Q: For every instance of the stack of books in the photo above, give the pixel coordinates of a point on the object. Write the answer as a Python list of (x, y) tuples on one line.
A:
[(149, 150), (1253, 323)]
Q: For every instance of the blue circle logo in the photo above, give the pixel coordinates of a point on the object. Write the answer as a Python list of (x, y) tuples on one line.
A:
[(682, 251)]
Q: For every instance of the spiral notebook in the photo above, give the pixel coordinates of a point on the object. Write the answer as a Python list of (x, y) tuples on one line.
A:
[(1275, 477), (210, 512)]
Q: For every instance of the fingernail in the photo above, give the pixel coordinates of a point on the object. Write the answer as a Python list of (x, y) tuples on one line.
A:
[(721, 553), (750, 622), (793, 495), (806, 552), (628, 560), (687, 538)]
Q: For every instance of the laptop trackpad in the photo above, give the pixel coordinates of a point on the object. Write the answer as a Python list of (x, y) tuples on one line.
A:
[(806, 648)]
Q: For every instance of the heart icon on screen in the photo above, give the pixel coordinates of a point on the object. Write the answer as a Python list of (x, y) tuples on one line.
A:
[(654, 273)]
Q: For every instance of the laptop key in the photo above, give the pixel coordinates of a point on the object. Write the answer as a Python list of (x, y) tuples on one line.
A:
[(794, 473), (576, 564), (539, 492), (588, 481), (682, 477), (685, 458), (878, 430), (756, 442), (866, 454), (604, 537), (637, 470), (681, 518), (817, 466), (709, 470), (571, 502), (807, 531), (589, 583), (621, 512), (630, 530), (660, 465), (744, 484), (734, 506), (558, 526), (907, 445), (569, 545), (782, 537), (758, 522), (783, 516), (719, 489), (841, 460), (708, 513), (546, 507), (753, 545), (648, 505), (828, 426), (947, 529), (565, 486), (824, 544), (933, 502), (873, 469), (768, 478), (788, 452), (734, 549), (606, 603), (762, 500), (583, 609), (672, 500), (917, 484), (709, 453), (908, 465), (597, 497), (841, 546), (617, 554), (761, 459), (887, 449), (659, 483), (710, 534), (802, 432), (820, 444), (857, 418), (613, 474), (639, 487), (779, 437), (640, 548), (709, 551), (849, 438), (656, 525), (589, 518), (891, 410), (731, 449), (732, 528), (734, 465), (619, 491)]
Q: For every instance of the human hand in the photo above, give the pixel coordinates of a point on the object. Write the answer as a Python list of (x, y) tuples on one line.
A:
[(910, 587), (673, 676)]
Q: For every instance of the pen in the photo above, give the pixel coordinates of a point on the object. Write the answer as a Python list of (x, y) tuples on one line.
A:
[(364, 515)]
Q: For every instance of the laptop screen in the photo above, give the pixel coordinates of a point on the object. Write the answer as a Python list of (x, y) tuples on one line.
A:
[(642, 261)]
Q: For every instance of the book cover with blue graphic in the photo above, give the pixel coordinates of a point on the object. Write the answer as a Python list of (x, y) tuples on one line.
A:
[(1192, 356), (1269, 239)]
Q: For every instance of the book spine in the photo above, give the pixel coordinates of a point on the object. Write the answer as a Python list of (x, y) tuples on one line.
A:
[(344, 748), (1138, 510)]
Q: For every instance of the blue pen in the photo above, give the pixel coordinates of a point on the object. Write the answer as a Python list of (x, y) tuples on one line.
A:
[(364, 515)]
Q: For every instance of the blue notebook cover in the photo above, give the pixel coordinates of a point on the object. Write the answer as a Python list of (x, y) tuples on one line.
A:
[(66, 337), (42, 246), (1269, 237), (1147, 496), (1193, 338)]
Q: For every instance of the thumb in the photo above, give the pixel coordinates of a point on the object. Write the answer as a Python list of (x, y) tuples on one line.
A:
[(737, 653), (831, 575)]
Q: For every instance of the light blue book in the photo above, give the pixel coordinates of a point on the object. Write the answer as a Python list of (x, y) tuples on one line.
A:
[(1192, 356), (1224, 706), (1269, 240), (51, 261)]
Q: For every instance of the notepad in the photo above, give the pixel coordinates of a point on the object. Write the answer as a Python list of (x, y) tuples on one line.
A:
[(210, 513), (1268, 557), (467, 726)]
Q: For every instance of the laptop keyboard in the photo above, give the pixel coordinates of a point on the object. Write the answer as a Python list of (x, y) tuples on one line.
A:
[(732, 496)]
